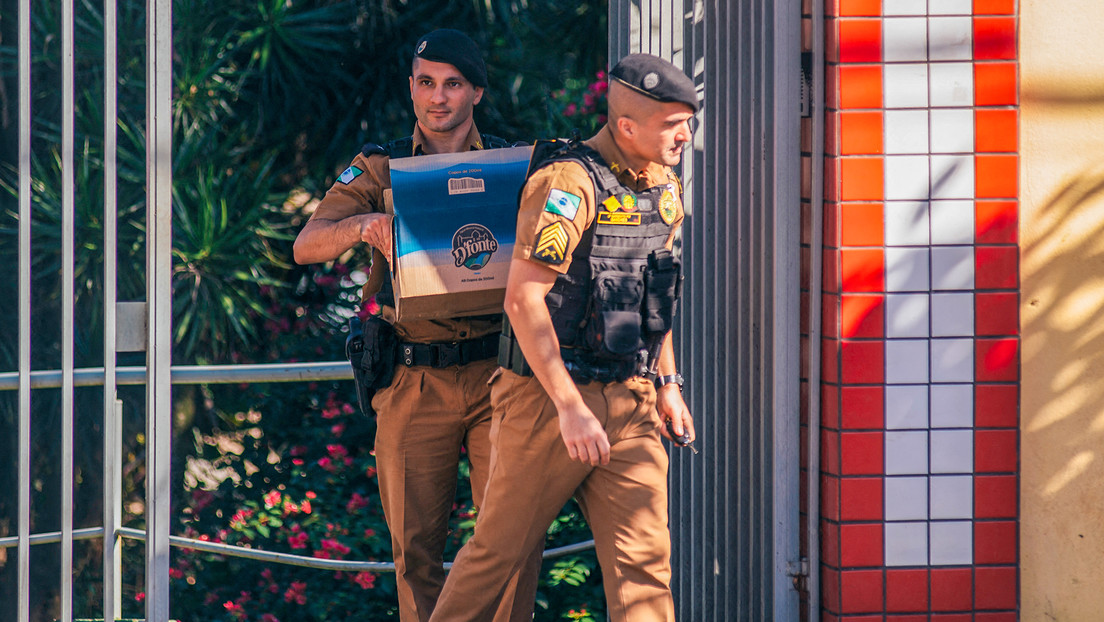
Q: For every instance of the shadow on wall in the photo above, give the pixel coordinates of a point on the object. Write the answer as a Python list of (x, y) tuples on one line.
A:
[(1063, 337), (1062, 332)]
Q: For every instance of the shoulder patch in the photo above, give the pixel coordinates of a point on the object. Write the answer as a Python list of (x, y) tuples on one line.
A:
[(350, 174), (551, 246), (563, 203)]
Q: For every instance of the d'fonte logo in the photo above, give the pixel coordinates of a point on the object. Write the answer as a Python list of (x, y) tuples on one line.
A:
[(472, 246)]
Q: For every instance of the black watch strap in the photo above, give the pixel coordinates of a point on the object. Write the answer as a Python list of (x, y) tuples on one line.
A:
[(669, 379)]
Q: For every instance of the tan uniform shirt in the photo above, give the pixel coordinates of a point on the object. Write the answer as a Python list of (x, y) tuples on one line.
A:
[(365, 187), (535, 212)]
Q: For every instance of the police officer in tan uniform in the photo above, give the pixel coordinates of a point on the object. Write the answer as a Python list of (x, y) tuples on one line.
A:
[(438, 400), (589, 301)]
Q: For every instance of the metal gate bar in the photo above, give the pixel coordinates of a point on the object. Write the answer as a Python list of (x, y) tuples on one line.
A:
[(112, 406), (24, 520), (158, 304), (68, 252)]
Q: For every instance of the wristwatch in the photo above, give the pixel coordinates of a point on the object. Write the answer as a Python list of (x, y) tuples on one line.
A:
[(672, 378)]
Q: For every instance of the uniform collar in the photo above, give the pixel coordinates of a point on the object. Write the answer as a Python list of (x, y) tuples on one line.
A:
[(653, 174), (472, 142)]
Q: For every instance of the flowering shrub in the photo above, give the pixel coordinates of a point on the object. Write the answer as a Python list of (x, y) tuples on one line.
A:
[(291, 468), (583, 102)]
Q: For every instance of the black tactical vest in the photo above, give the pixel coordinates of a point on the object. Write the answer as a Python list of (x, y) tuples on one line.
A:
[(617, 300), (404, 148)]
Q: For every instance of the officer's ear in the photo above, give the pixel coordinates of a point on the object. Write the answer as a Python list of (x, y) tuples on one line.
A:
[(478, 95), (626, 126)]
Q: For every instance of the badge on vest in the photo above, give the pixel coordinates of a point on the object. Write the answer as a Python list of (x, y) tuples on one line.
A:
[(617, 211), (668, 208), (349, 175), (551, 244)]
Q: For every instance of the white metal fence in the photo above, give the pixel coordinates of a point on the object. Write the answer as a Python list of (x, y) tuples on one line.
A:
[(127, 326)]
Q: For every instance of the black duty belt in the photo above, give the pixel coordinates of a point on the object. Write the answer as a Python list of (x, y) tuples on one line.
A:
[(447, 354), (582, 369)]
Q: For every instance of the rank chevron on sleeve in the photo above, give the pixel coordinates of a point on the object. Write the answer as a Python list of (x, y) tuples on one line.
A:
[(551, 244)]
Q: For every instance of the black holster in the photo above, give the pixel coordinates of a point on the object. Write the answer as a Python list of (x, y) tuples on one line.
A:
[(371, 348)]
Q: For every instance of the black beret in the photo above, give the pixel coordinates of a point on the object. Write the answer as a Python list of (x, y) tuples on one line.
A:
[(446, 45), (656, 78)]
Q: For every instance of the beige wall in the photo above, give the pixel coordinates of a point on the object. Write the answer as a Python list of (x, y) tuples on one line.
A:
[(1062, 309)]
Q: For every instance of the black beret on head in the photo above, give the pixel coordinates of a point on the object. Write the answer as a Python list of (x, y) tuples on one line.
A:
[(656, 78), (450, 46)]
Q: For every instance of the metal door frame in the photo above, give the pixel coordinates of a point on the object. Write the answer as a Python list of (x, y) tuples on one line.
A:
[(735, 509)]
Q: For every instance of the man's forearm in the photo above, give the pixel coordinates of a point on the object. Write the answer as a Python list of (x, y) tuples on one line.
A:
[(325, 240), (532, 327), (666, 357)]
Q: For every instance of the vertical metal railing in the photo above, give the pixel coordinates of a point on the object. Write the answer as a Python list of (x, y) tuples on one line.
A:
[(24, 468), (112, 406), (159, 304), (68, 242)]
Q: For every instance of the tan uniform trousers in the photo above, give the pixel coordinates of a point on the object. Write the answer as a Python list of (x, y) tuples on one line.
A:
[(424, 418), (625, 502)]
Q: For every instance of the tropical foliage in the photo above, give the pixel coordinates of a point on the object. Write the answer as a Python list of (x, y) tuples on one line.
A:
[(271, 98)]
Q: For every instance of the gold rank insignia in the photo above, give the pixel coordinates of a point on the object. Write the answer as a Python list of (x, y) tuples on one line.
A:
[(612, 204), (668, 209), (628, 202), (551, 244)]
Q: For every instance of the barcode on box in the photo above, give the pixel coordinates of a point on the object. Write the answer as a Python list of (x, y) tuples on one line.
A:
[(465, 185)]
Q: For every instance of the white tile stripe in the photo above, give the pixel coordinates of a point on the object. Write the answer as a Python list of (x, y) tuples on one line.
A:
[(929, 261)]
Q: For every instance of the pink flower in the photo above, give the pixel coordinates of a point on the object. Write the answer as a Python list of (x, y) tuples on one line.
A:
[(310, 494), (299, 540), (356, 502), (268, 617), (570, 110), (365, 580), (370, 472), (140, 596), (337, 429), (372, 307), (306, 507), (334, 547), (234, 609), (327, 464), (337, 452), (176, 573), (368, 533), (239, 518), (297, 593), (272, 499)]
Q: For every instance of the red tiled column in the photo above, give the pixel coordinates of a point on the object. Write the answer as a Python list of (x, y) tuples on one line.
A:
[(919, 312)]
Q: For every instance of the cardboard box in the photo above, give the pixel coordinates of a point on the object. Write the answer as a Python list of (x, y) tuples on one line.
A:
[(455, 224)]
